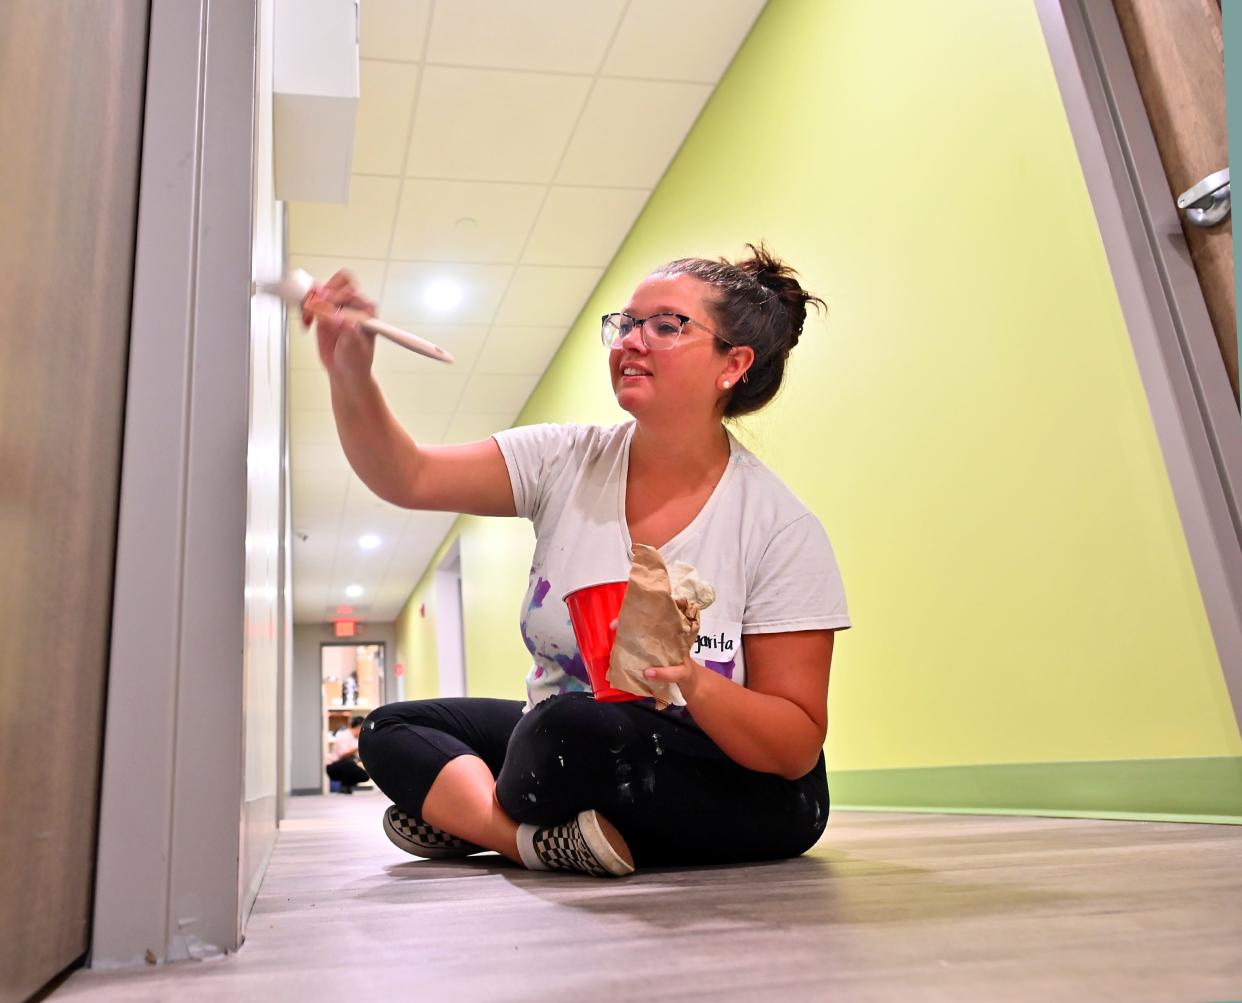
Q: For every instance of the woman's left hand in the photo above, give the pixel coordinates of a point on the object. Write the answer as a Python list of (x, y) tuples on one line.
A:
[(686, 675)]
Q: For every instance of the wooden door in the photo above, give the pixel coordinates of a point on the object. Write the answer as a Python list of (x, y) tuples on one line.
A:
[(71, 76), (1176, 47)]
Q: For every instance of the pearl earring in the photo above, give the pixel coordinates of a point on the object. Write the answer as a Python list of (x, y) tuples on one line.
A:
[(725, 384)]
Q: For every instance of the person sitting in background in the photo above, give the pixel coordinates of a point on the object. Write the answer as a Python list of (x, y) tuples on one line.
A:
[(345, 768)]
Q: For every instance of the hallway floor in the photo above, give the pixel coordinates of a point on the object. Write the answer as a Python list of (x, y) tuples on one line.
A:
[(889, 907)]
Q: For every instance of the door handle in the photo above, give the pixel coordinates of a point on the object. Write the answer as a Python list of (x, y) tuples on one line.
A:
[(1207, 203)]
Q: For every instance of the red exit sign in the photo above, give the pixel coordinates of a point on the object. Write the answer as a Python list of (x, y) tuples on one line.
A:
[(345, 628)]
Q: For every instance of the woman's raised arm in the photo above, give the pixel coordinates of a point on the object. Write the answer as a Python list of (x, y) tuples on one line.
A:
[(470, 478)]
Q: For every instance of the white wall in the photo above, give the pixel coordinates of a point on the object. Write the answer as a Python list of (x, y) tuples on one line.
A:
[(266, 537), (305, 725)]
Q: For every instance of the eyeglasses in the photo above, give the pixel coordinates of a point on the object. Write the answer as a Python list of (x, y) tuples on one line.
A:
[(659, 332)]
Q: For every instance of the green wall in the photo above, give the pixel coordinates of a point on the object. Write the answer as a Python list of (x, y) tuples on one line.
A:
[(968, 422), (416, 642)]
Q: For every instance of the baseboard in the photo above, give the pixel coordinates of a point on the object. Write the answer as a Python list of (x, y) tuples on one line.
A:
[(298, 792), (1184, 790)]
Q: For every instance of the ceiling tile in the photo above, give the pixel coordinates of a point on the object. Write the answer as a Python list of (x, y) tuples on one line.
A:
[(424, 427), (308, 457), (704, 35), (406, 287), (498, 391), (518, 35), (385, 105), (320, 542), (510, 108), (360, 228), (429, 393), (352, 559), (462, 341), (473, 426), (318, 495), (366, 513), (464, 220), (657, 114), (520, 349), (547, 296), (308, 390), (426, 526), (393, 29), (308, 561), (312, 427), (493, 125), (583, 226), (354, 568)]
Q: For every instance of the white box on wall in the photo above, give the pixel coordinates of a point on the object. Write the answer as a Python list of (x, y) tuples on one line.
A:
[(315, 108)]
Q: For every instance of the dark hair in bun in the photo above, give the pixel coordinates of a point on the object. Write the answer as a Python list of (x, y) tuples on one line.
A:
[(759, 302)]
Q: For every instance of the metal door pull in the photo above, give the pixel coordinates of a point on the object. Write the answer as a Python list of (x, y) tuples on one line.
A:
[(1207, 203)]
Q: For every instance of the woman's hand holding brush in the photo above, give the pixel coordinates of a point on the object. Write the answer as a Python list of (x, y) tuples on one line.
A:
[(338, 310)]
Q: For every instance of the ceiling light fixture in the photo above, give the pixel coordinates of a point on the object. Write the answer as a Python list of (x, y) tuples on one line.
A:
[(442, 295), (368, 541), (353, 591)]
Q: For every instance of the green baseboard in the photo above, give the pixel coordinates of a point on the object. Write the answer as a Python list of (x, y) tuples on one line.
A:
[(1171, 790)]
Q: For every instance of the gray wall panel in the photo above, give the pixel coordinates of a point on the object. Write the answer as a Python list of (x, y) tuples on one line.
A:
[(71, 76)]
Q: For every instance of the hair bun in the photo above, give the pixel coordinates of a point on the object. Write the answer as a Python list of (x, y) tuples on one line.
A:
[(778, 278), (756, 302)]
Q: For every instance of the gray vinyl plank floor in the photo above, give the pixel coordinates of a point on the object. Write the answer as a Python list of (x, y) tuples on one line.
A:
[(889, 906)]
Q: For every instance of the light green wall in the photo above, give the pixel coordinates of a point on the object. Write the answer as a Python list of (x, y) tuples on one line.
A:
[(968, 422), (416, 642)]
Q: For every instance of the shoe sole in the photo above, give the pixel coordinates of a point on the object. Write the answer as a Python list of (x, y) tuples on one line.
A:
[(401, 842), (599, 844)]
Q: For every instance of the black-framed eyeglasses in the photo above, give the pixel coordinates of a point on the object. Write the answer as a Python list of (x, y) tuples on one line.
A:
[(659, 332)]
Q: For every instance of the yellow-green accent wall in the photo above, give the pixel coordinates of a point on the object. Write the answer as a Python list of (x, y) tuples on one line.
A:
[(968, 421)]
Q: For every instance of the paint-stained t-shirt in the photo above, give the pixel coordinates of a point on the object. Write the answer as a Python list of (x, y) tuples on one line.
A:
[(765, 553)]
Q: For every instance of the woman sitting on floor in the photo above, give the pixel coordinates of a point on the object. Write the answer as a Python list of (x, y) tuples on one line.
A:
[(564, 782)]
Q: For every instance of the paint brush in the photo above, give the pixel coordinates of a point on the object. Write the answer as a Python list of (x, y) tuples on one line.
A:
[(296, 288)]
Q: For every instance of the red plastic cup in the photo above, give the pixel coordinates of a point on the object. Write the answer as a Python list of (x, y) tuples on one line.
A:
[(591, 611)]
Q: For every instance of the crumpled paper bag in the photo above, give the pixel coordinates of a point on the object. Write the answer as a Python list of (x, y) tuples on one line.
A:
[(657, 625)]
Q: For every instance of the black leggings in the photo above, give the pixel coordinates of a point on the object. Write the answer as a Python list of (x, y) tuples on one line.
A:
[(668, 788)]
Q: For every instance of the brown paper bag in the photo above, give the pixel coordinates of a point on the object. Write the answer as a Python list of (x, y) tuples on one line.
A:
[(654, 628)]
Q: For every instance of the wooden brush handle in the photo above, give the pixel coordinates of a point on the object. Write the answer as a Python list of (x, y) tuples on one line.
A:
[(406, 340), (372, 325)]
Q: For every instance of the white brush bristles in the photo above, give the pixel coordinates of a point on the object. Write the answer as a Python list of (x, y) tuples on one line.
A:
[(292, 288)]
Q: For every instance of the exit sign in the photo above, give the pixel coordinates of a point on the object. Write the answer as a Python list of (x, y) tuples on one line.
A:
[(345, 628)]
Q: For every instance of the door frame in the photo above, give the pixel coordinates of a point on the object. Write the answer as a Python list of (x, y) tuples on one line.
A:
[(1188, 391), (358, 642), (179, 853), (450, 623)]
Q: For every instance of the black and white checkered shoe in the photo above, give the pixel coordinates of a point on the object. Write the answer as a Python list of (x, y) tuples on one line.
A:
[(422, 840), (581, 845)]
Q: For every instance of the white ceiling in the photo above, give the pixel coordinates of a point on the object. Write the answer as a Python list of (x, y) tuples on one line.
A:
[(509, 147)]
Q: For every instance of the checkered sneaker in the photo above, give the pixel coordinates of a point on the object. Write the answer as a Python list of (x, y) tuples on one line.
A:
[(580, 845), (415, 836)]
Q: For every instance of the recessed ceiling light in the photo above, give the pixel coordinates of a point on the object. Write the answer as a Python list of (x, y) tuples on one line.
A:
[(353, 591), (369, 541), (442, 295)]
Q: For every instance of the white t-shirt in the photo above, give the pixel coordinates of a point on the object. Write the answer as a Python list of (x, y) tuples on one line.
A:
[(344, 744), (764, 552)]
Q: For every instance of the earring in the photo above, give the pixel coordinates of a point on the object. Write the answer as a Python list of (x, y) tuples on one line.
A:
[(725, 384)]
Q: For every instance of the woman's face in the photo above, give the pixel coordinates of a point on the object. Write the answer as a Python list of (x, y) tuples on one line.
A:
[(677, 382)]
